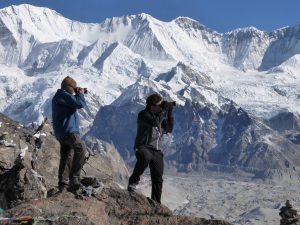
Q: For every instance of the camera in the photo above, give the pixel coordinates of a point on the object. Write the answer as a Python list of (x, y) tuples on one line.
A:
[(166, 106), (78, 89), (85, 90)]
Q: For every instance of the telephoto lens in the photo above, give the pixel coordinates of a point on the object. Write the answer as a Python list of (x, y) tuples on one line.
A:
[(166, 106)]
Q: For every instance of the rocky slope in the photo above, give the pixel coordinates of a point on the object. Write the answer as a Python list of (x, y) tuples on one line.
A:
[(28, 167), (29, 163), (111, 206)]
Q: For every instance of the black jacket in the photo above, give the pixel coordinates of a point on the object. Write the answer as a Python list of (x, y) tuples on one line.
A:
[(150, 129)]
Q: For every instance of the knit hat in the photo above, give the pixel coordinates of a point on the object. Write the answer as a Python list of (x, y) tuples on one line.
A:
[(153, 99), (68, 84)]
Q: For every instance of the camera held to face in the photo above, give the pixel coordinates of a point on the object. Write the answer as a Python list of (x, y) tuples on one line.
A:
[(81, 90), (166, 106)]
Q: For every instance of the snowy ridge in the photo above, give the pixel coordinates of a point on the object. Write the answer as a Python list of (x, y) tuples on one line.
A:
[(128, 47), (122, 60), (245, 47), (44, 24)]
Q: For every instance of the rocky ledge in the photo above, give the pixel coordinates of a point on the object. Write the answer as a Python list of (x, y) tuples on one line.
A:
[(28, 194), (111, 206)]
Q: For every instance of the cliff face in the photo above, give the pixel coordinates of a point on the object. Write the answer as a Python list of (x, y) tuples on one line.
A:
[(28, 171)]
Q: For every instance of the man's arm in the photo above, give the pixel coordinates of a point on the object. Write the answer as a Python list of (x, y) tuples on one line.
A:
[(73, 101), (168, 122), (148, 118)]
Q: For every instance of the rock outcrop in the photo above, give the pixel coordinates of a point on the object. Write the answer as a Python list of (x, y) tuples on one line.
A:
[(28, 181), (29, 164), (285, 121), (289, 215), (112, 206)]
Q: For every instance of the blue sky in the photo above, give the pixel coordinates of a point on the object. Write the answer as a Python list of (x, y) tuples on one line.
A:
[(220, 15)]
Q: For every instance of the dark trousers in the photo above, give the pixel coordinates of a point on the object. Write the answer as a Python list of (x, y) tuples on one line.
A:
[(72, 157), (149, 156)]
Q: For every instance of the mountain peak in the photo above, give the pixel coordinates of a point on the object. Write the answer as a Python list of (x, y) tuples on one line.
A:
[(188, 20), (126, 20), (144, 16), (189, 23), (45, 25), (246, 30), (26, 8)]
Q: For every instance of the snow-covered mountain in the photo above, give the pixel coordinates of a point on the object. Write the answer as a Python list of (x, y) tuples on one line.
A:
[(228, 87)]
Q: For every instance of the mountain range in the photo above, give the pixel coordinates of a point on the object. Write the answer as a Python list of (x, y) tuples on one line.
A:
[(237, 93)]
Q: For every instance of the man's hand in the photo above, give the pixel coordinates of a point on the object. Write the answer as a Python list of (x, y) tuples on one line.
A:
[(168, 106), (79, 90)]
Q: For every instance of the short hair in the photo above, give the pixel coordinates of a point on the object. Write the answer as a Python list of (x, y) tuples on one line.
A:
[(153, 99), (68, 81)]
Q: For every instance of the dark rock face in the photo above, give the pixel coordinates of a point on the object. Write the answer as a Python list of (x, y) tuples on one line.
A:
[(288, 125), (229, 138), (117, 125), (285, 121), (198, 126)]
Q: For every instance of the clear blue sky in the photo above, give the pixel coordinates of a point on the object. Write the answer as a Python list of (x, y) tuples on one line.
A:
[(220, 15)]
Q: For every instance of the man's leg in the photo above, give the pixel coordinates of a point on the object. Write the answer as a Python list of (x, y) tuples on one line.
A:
[(156, 171), (66, 157), (143, 156), (78, 160)]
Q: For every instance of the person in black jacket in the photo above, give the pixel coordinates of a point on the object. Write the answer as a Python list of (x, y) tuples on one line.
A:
[(154, 121)]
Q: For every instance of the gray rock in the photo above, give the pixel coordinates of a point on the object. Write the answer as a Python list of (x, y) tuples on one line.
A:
[(285, 121), (289, 216), (29, 171)]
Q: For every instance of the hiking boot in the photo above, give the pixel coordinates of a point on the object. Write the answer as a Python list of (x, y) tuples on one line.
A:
[(54, 192), (153, 202), (75, 189), (62, 188), (78, 192), (131, 187)]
